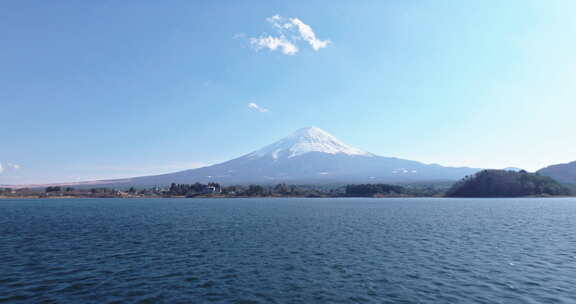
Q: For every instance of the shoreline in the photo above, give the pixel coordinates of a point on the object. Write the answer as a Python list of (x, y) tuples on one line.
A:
[(269, 197)]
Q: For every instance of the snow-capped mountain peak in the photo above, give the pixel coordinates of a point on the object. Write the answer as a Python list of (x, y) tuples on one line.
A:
[(307, 156), (305, 140)]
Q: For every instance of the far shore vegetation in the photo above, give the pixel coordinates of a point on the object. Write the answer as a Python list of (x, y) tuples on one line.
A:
[(217, 190), (486, 183)]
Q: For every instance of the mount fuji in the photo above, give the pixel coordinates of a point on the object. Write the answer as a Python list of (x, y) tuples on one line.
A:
[(309, 155)]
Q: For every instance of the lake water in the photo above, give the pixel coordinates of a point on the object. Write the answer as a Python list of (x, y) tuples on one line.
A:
[(288, 251)]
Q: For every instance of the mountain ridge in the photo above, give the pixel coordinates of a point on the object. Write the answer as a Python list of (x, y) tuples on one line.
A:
[(307, 156), (565, 172)]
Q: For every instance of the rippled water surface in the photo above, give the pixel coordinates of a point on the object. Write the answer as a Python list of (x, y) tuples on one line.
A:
[(288, 251)]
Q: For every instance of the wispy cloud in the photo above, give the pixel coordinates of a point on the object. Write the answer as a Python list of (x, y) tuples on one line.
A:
[(146, 168), (7, 166), (108, 171), (289, 32), (256, 107)]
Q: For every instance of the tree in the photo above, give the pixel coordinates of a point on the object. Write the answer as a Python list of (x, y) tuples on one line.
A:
[(368, 190), (53, 189)]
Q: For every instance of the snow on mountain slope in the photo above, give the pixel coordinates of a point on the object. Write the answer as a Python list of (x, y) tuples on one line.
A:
[(307, 156), (307, 140)]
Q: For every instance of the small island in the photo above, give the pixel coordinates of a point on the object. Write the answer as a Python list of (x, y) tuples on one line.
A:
[(505, 183)]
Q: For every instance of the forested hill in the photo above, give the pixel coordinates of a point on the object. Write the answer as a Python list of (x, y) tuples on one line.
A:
[(503, 183)]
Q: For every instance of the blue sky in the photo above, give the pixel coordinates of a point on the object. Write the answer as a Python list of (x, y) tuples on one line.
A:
[(106, 89)]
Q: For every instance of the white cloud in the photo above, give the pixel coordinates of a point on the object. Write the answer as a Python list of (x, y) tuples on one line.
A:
[(274, 43), (289, 31), (307, 34), (7, 167), (256, 107), (13, 166)]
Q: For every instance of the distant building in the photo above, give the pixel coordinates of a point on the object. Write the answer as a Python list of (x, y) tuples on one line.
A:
[(213, 189)]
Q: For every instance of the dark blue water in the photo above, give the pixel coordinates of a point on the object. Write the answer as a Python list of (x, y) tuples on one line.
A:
[(288, 251)]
